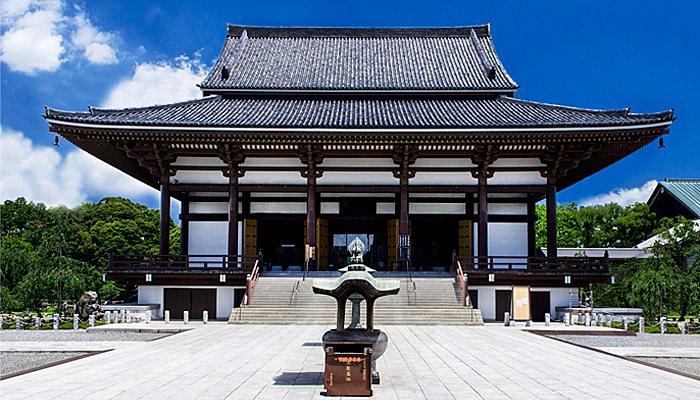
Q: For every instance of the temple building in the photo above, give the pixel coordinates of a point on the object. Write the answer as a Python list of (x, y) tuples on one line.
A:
[(409, 138)]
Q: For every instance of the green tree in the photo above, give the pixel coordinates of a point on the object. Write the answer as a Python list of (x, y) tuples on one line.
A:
[(670, 278)]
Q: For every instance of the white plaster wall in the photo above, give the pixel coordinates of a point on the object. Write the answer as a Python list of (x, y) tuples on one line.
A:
[(272, 178), (438, 195), (505, 239), (152, 295), (517, 178), (201, 207), (199, 177), (517, 162), (277, 194), (437, 208), (199, 161), (278, 208), (208, 237), (357, 178), (558, 297), (487, 300), (386, 208), (328, 207), (272, 162), (156, 295), (224, 302), (383, 195), (423, 162), (358, 162), (508, 239), (443, 178), (507, 209)]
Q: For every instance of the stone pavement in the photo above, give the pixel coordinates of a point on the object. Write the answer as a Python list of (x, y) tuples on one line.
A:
[(218, 361)]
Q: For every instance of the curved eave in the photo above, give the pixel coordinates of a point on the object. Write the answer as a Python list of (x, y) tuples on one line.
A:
[(525, 130)]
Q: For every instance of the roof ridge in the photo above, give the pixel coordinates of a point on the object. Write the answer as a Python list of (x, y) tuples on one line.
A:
[(623, 112), (671, 180), (108, 111), (318, 32)]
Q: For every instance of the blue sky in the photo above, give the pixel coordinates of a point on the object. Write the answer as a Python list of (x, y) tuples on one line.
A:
[(597, 54)]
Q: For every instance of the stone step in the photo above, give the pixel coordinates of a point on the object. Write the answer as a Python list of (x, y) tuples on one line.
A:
[(424, 301)]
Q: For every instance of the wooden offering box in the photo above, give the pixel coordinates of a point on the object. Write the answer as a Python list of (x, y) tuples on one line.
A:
[(348, 369)]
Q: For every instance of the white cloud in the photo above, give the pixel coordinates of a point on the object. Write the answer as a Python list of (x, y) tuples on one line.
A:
[(39, 35), (95, 44), (32, 41), (158, 83), (42, 174), (621, 196)]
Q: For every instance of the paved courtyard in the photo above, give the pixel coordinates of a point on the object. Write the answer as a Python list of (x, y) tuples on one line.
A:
[(219, 361)]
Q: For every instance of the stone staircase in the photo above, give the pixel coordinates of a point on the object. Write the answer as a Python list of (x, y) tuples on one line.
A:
[(283, 300)]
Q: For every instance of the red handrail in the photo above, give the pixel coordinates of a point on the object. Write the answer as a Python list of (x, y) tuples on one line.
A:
[(252, 279), (460, 278)]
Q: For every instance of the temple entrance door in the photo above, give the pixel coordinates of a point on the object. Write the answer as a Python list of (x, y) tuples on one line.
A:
[(281, 243), (434, 241), (250, 237), (370, 231), (321, 243)]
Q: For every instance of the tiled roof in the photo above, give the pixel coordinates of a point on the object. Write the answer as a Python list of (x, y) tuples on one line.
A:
[(687, 191), (358, 59), (370, 113)]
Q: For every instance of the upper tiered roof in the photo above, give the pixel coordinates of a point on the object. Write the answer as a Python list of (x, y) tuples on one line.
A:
[(359, 59)]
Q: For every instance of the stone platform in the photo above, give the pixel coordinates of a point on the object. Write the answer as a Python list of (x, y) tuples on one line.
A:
[(286, 362)]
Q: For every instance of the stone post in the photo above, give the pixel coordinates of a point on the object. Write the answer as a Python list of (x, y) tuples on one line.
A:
[(76, 322), (662, 324), (37, 323), (683, 327), (567, 319), (205, 317), (18, 322), (148, 316), (166, 316), (506, 319), (91, 320), (641, 325), (108, 317), (588, 319), (547, 319), (185, 317), (127, 317), (625, 323)]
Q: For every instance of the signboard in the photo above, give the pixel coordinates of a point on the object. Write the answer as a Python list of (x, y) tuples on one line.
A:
[(348, 374), (521, 303)]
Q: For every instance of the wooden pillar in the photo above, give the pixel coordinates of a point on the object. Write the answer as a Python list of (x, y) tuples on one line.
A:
[(403, 206), (551, 218), (483, 218), (233, 215), (184, 227), (164, 240), (311, 213), (531, 228)]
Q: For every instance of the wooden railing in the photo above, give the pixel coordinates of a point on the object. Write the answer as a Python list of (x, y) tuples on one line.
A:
[(460, 278), (533, 264), (137, 262)]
